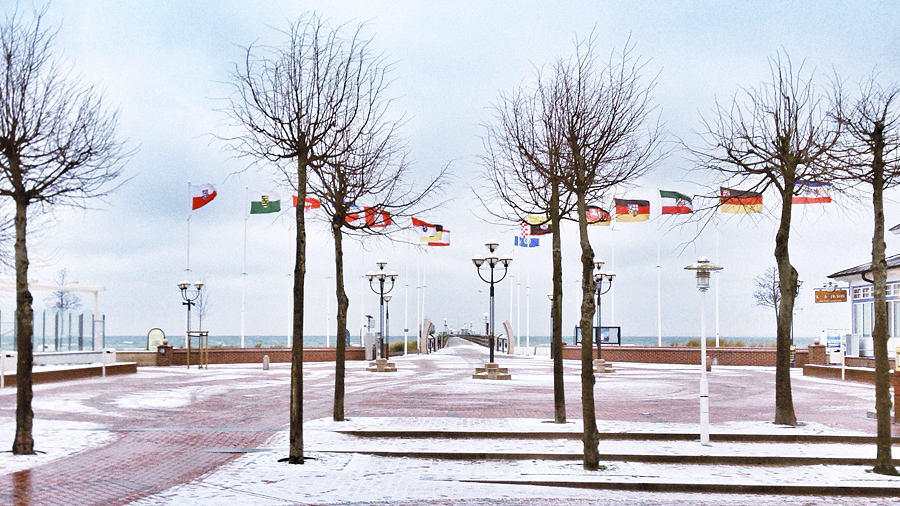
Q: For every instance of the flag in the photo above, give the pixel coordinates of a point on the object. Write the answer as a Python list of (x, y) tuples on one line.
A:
[(376, 218), (264, 202), (597, 216), (528, 242), (442, 240), (739, 201), (310, 204), (539, 224), (524, 239), (632, 210), (812, 193), (201, 194), (675, 203), (429, 233)]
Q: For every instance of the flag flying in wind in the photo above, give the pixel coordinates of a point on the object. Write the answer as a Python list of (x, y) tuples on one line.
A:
[(442, 240), (812, 193), (675, 203), (376, 218), (201, 194), (739, 201), (598, 217), (311, 203), (632, 210), (427, 231), (264, 202), (524, 238), (539, 224)]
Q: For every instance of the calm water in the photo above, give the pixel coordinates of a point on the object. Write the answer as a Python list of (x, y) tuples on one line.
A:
[(140, 342)]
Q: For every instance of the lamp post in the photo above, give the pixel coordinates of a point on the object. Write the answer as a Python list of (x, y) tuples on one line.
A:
[(190, 297), (381, 276), (491, 260), (387, 324), (599, 277), (703, 269)]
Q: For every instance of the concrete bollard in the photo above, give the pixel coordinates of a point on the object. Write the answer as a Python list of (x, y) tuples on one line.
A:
[(708, 364), (265, 362)]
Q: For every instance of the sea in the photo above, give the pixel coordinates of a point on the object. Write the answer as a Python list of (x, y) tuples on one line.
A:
[(140, 342)]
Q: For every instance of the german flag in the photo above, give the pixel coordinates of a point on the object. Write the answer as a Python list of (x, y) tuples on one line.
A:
[(739, 201), (632, 210)]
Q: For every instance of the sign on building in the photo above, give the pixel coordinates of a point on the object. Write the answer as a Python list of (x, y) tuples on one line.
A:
[(826, 296)]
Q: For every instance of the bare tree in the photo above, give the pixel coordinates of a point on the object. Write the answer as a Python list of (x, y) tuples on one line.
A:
[(364, 193), (768, 290), (58, 146), (63, 300), (870, 155), (605, 120), (524, 166), (774, 138), (299, 105)]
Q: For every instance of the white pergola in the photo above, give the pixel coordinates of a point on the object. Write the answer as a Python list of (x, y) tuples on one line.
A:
[(9, 285)]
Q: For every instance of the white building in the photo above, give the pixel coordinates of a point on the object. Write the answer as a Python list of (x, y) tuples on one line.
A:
[(862, 306)]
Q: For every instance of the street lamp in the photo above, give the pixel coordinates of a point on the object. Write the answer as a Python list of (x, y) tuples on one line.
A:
[(599, 277), (381, 276), (491, 260), (190, 297), (703, 269), (387, 323)]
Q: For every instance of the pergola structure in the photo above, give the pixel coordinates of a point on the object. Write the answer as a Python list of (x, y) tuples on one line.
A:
[(9, 285)]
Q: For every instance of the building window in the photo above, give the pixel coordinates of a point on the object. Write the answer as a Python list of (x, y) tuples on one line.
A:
[(862, 292), (863, 318)]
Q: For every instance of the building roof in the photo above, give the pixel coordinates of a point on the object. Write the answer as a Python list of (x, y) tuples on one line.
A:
[(892, 262)]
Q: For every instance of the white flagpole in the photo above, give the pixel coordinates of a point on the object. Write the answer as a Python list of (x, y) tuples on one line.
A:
[(244, 267), (717, 280), (424, 286), (187, 269), (528, 301), (328, 314), (406, 308), (519, 305), (658, 275), (612, 294)]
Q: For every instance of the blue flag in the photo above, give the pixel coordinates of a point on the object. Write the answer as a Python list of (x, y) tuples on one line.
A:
[(529, 242)]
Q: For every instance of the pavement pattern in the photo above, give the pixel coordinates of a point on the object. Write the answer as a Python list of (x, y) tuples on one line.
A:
[(166, 435)]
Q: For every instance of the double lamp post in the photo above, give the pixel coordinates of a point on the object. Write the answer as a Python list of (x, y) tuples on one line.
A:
[(381, 275), (491, 261)]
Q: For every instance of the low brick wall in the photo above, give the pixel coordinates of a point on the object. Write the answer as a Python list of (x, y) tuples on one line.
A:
[(255, 355), (140, 357), (76, 372), (860, 374), (682, 355)]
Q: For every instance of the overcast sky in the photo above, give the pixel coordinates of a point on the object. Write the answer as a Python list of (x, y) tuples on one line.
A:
[(165, 65)]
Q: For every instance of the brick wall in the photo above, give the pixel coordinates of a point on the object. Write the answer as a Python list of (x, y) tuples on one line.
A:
[(76, 372), (682, 355), (255, 355)]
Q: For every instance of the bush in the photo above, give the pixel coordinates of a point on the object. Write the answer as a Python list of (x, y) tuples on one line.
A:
[(396, 348)]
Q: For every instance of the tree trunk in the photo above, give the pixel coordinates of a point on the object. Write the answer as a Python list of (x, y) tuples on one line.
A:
[(559, 387), (342, 304), (883, 461), (24, 442), (591, 437), (787, 278), (296, 428)]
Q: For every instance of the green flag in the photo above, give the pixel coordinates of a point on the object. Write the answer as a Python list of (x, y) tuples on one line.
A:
[(262, 202)]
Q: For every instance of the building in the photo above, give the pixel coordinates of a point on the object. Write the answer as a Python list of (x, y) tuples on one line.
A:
[(862, 307)]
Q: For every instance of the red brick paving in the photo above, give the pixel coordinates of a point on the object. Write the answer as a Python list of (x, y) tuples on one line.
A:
[(155, 449)]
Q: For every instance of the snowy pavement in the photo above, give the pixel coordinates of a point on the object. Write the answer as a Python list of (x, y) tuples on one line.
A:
[(430, 434)]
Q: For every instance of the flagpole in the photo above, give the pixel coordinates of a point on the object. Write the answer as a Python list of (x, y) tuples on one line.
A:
[(244, 267), (528, 300), (187, 270), (406, 308), (612, 294), (519, 305), (717, 279), (419, 342), (424, 287), (659, 274)]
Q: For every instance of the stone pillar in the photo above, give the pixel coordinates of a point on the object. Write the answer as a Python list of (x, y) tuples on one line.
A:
[(817, 354), (164, 355)]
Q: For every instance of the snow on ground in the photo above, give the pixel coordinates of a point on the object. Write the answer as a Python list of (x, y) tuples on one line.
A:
[(339, 471), (54, 439)]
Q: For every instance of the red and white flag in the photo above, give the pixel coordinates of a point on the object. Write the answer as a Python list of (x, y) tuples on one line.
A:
[(201, 194)]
